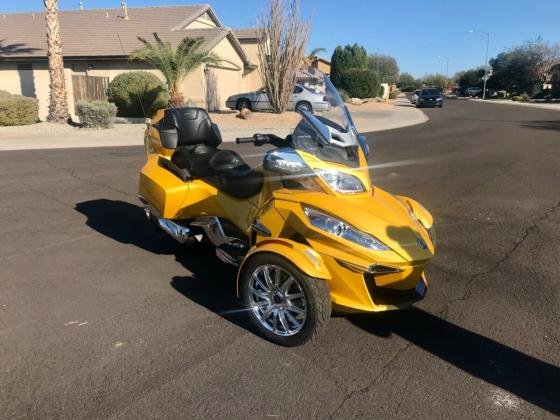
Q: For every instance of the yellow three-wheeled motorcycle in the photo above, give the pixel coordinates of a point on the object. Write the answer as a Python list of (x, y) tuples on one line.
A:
[(307, 229)]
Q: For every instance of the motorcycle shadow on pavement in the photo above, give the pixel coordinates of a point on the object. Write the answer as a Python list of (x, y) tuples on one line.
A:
[(212, 284), (524, 376)]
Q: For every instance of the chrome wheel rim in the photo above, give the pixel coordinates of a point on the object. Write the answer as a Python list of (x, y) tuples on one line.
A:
[(277, 300)]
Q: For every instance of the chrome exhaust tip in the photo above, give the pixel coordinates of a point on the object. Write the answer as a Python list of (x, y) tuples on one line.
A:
[(178, 232)]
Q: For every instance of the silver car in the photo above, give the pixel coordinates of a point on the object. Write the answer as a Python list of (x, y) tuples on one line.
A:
[(303, 99)]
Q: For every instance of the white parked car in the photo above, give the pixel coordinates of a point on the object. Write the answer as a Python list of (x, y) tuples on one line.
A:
[(303, 99)]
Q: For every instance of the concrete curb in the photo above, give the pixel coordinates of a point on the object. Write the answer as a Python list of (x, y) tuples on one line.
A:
[(554, 107), (386, 117)]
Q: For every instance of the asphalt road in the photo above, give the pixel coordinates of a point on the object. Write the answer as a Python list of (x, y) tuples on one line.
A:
[(102, 317)]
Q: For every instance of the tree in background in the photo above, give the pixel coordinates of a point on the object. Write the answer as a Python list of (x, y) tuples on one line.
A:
[(407, 82), (361, 83), (282, 40), (436, 80), (174, 63), (524, 68), (346, 58), (58, 103), (385, 67), (469, 78)]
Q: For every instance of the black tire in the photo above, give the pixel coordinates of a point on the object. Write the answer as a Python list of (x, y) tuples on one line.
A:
[(243, 103), (304, 106), (317, 297)]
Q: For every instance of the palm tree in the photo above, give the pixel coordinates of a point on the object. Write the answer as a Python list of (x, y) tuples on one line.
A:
[(58, 104), (174, 63), (313, 54)]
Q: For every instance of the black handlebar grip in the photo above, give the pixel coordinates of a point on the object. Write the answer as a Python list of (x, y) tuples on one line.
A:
[(240, 140)]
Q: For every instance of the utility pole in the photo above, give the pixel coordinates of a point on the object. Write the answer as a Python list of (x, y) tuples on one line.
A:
[(486, 59)]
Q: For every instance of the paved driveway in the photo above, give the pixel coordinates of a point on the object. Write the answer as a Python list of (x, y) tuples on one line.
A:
[(100, 316)]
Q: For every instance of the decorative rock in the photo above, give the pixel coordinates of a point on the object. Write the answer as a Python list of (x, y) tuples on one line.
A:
[(355, 101), (244, 114)]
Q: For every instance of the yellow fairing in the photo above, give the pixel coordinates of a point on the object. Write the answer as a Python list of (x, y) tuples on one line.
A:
[(349, 269)]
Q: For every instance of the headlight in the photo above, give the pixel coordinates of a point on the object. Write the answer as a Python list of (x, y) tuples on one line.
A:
[(341, 182), (343, 230)]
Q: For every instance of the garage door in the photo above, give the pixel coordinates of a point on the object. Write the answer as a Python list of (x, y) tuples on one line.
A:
[(220, 84)]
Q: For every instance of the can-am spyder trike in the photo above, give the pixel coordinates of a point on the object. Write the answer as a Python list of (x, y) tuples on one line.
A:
[(307, 229)]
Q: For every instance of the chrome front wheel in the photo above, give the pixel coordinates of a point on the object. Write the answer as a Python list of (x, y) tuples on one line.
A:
[(277, 300), (284, 304)]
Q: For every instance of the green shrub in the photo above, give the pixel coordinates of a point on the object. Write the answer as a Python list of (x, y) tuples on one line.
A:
[(18, 110), (393, 94), (96, 114), (127, 89), (360, 83)]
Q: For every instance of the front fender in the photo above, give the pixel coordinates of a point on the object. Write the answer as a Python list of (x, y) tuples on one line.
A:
[(303, 257)]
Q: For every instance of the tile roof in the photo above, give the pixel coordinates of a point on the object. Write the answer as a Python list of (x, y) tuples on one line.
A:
[(96, 32), (245, 33)]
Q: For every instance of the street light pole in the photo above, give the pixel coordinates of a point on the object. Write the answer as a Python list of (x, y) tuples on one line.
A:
[(443, 57), (486, 60)]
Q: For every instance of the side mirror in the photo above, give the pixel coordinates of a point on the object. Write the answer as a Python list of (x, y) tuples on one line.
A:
[(363, 144)]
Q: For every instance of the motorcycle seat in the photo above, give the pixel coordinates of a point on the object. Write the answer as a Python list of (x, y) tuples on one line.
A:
[(230, 174), (223, 169)]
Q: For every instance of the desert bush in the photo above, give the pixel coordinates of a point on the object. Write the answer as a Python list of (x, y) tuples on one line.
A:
[(521, 98), (128, 89), (18, 110), (96, 114), (393, 94), (360, 83)]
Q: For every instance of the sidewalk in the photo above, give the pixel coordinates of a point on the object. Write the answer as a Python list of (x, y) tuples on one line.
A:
[(368, 117), (553, 106)]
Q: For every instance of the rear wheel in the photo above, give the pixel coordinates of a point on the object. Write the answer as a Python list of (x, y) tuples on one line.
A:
[(243, 103), (286, 306), (304, 106)]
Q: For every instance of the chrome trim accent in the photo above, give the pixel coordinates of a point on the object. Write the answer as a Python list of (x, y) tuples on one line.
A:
[(178, 232), (213, 229), (372, 269), (225, 257), (260, 228)]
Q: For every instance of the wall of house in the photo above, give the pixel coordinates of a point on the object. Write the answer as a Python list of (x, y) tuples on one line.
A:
[(321, 66), (10, 78), (33, 83), (253, 79), (228, 76), (201, 22)]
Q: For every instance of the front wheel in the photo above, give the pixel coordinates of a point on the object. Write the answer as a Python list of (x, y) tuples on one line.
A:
[(242, 104), (286, 306), (304, 106)]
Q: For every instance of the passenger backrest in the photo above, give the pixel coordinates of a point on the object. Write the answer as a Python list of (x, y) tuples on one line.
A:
[(191, 125)]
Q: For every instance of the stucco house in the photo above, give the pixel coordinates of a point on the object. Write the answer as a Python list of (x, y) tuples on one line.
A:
[(97, 43), (324, 66)]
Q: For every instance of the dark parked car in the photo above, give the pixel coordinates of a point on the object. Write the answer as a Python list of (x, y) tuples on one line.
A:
[(427, 97)]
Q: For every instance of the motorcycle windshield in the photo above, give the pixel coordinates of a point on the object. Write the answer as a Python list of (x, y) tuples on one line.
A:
[(329, 133)]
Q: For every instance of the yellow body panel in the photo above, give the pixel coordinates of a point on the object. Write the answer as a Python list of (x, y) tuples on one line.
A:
[(399, 222)]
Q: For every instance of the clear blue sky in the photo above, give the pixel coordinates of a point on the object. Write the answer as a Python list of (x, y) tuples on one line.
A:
[(415, 32)]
